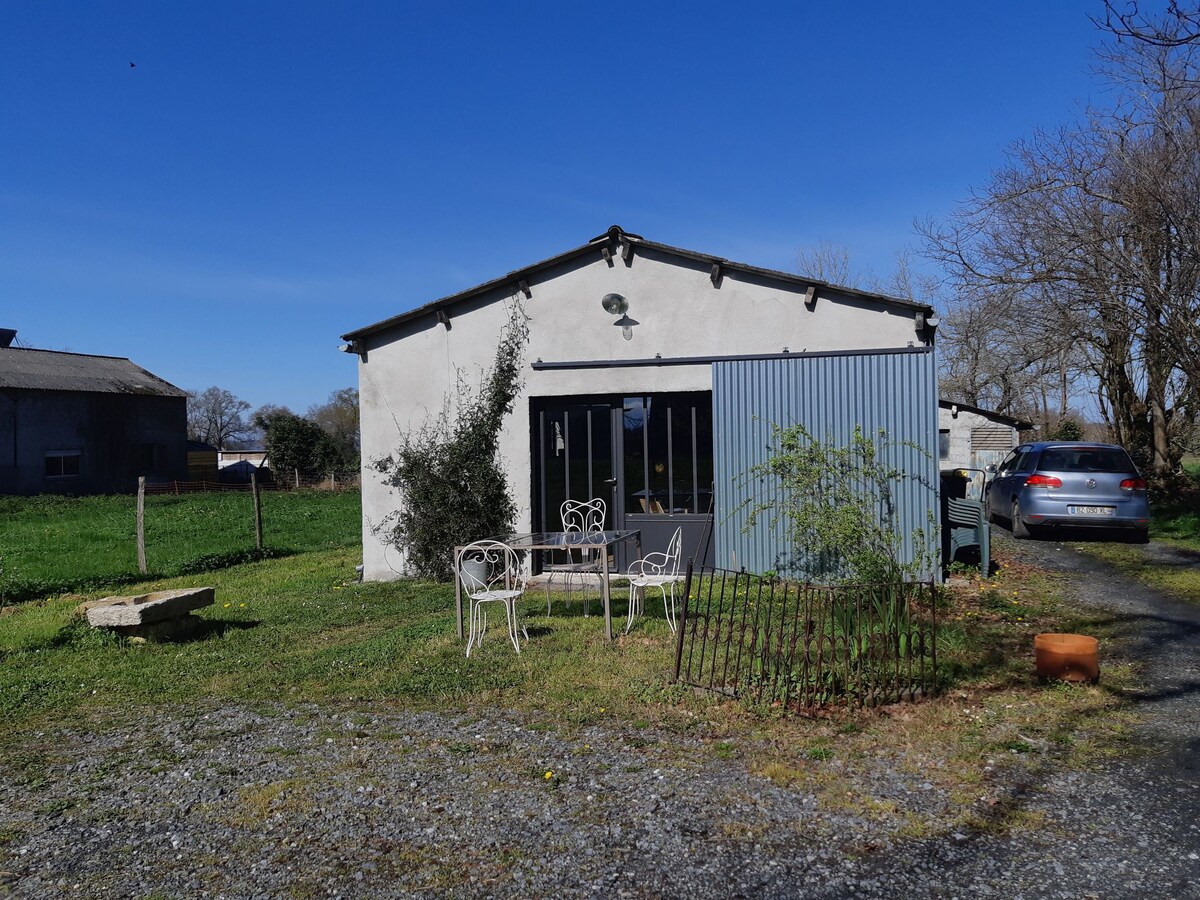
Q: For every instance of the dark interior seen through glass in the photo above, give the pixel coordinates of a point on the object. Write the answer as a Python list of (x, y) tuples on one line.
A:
[(664, 453), (1085, 459)]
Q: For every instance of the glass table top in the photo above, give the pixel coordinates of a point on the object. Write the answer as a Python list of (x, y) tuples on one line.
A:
[(545, 540)]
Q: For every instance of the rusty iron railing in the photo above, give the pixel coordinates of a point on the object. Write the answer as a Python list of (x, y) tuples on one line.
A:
[(802, 646)]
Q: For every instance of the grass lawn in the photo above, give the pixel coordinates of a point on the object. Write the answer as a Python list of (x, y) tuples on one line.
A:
[(1179, 577), (302, 630), (54, 544), (1178, 519), (1175, 522)]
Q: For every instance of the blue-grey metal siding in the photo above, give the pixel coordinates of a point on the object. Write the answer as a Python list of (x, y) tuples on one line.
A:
[(828, 394)]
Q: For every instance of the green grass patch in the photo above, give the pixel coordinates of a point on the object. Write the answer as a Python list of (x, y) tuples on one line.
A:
[(51, 545), (1180, 580), (1175, 522), (1177, 518), (302, 630)]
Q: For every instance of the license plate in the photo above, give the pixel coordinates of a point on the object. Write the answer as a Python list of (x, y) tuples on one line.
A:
[(1092, 510)]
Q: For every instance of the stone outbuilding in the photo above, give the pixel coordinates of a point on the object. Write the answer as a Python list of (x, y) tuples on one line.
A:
[(971, 437)]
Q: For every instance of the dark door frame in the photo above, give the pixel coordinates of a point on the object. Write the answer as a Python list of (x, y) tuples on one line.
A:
[(657, 527)]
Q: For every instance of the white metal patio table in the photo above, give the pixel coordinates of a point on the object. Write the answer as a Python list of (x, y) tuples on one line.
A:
[(558, 540)]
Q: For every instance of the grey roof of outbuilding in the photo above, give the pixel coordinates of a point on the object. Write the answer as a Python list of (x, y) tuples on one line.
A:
[(1019, 424), (53, 370), (610, 238)]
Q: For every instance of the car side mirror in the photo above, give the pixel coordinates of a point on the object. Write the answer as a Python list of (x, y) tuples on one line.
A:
[(990, 468)]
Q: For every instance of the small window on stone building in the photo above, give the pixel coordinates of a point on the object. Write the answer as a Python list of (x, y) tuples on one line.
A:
[(62, 463), (943, 443)]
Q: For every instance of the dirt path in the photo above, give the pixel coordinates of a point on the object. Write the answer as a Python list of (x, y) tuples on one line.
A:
[(1130, 828)]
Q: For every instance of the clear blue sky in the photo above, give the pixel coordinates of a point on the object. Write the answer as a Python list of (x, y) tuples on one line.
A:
[(272, 175)]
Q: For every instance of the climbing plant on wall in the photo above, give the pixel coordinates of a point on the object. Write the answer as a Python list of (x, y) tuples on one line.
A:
[(447, 471)]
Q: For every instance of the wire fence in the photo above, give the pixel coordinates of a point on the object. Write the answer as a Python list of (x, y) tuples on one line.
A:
[(53, 545), (332, 483), (804, 646)]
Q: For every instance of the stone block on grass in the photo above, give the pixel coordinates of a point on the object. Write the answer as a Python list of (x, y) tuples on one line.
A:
[(146, 609)]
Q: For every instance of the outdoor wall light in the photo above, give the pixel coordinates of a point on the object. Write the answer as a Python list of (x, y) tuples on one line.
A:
[(616, 305)]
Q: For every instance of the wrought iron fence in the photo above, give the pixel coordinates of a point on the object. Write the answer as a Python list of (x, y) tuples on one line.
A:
[(804, 646)]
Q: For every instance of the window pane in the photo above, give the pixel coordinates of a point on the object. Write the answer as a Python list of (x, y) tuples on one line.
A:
[(634, 424), (704, 453), (602, 464), (60, 464), (943, 443), (579, 486), (683, 468), (554, 465), (657, 501)]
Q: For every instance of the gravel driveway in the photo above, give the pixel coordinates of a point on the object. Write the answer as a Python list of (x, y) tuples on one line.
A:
[(355, 802)]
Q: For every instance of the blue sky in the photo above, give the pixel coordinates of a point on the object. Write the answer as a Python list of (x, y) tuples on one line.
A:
[(272, 175)]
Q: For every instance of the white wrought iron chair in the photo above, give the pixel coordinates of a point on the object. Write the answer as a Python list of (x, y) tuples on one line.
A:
[(492, 572), (580, 517), (656, 570)]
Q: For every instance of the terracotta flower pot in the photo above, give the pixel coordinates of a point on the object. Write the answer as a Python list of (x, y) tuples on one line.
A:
[(1069, 657)]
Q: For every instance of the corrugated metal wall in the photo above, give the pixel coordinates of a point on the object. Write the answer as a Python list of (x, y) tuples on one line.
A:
[(828, 394)]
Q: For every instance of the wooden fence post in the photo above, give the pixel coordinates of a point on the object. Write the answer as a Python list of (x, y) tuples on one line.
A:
[(297, 471), (141, 524), (258, 537)]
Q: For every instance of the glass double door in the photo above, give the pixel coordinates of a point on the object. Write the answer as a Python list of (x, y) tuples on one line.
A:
[(648, 456)]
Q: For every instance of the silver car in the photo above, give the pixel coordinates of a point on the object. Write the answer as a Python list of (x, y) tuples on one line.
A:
[(1052, 483)]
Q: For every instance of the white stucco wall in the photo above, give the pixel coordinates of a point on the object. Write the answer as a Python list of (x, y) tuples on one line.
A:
[(961, 425), (409, 369)]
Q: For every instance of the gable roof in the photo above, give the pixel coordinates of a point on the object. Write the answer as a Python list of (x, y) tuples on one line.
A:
[(53, 370), (609, 242)]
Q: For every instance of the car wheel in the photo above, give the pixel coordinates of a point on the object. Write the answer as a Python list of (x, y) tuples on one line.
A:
[(1019, 528)]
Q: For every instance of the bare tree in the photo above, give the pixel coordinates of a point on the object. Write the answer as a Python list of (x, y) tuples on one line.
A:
[(338, 417), (1092, 233), (830, 263), (1178, 26), (215, 417)]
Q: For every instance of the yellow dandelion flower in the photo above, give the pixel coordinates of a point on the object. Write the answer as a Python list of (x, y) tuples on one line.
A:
[(548, 775), (227, 605), (242, 605)]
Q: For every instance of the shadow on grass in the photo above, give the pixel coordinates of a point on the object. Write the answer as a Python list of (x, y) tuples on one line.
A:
[(215, 628), (22, 591), (79, 634)]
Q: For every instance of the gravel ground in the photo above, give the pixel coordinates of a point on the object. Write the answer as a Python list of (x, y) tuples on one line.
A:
[(319, 802)]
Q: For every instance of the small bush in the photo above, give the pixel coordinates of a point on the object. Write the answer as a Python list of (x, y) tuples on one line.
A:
[(837, 505)]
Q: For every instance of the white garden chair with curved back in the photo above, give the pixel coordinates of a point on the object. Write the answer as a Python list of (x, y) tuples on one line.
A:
[(492, 572), (656, 570), (578, 517)]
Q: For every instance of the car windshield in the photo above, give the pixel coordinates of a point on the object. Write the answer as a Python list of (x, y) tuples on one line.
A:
[(1085, 459)]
